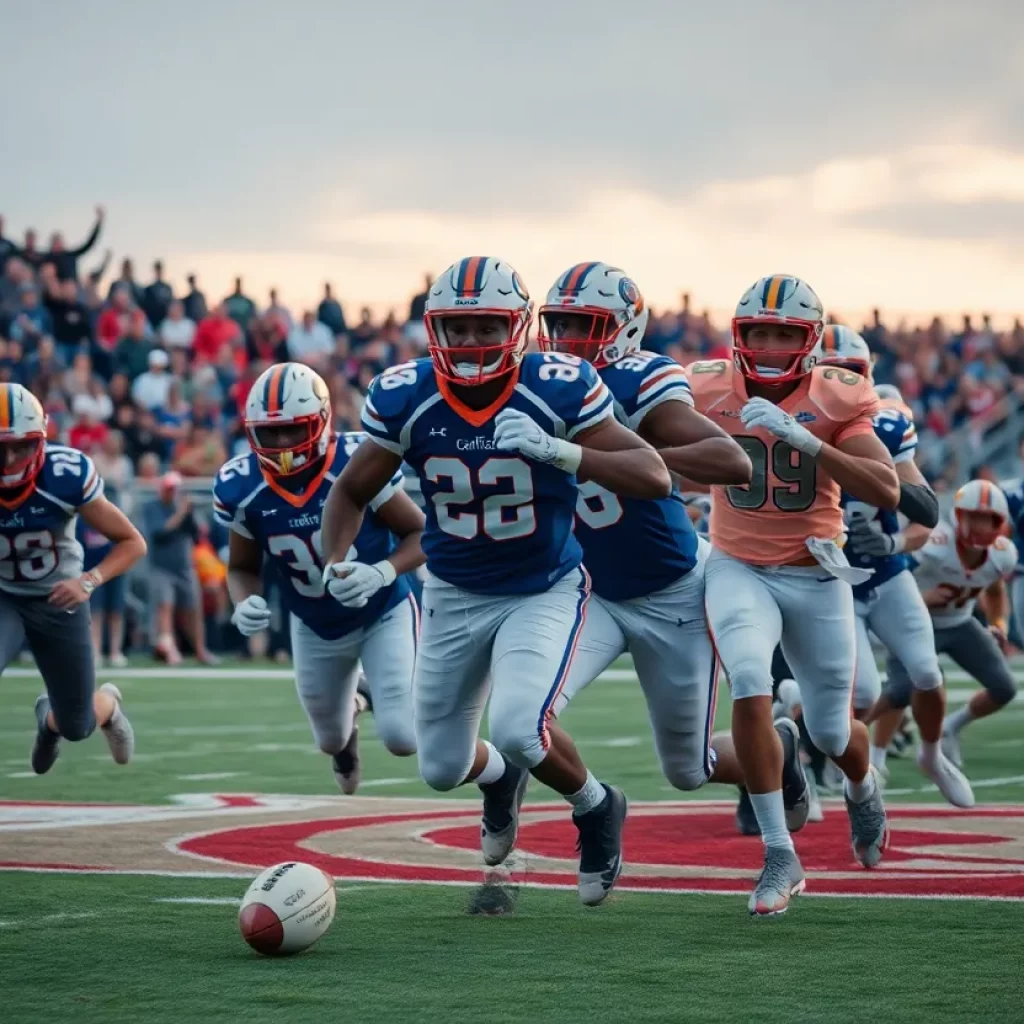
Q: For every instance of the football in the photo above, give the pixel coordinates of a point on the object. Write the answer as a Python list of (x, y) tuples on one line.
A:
[(287, 908)]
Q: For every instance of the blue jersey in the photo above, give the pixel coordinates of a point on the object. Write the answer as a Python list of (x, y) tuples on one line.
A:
[(632, 547), (287, 528), (896, 431), (1014, 491), (497, 523), (38, 547)]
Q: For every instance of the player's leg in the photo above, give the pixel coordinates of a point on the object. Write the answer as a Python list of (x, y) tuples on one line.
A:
[(867, 683), (71, 707), (1017, 607), (325, 680), (820, 642), (161, 594), (746, 625), (601, 642), (531, 660), (115, 603), (977, 652), (189, 599), (388, 659)]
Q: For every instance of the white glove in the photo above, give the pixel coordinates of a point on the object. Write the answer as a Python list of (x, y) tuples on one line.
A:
[(759, 412), (867, 537), (251, 615), (352, 584), (516, 432)]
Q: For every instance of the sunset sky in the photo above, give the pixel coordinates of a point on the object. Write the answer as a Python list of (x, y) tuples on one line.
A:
[(875, 149)]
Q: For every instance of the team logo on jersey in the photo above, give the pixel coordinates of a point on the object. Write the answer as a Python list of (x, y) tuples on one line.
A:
[(438, 431), (805, 417), (480, 443)]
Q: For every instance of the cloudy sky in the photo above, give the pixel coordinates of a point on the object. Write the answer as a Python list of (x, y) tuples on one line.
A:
[(876, 149)]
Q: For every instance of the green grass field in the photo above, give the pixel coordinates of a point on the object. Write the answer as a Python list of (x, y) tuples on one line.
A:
[(159, 941)]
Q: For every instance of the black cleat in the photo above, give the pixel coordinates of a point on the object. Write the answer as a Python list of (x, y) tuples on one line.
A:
[(795, 794), (346, 764), (746, 819), (500, 821), (600, 846), (47, 743)]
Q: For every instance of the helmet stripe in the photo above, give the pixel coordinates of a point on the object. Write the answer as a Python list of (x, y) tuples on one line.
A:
[(774, 292), (470, 277), (985, 496), (5, 406), (575, 278), (272, 395)]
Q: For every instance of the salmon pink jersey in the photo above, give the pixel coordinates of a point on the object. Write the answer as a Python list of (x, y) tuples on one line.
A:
[(790, 497)]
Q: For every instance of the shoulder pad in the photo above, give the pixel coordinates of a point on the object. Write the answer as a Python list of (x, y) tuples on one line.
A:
[(392, 397), (1004, 555), (570, 387), (639, 385), (69, 477), (842, 394), (234, 482)]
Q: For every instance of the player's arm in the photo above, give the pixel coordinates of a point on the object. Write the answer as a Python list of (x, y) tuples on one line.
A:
[(918, 502), (367, 473), (614, 457), (694, 447), (245, 565), (995, 603), (128, 547), (868, 534), (404, 519), (863, 467), (915, 537)]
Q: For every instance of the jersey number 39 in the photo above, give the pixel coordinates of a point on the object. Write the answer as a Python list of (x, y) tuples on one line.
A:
[(796, 475)]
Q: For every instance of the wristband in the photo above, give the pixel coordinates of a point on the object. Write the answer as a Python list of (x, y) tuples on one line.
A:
[(899, 544), (387, 570), (809, 445), (568, 456)]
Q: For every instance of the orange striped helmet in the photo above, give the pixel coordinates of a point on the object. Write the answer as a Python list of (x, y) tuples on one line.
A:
[(22, 439), (981, 513)]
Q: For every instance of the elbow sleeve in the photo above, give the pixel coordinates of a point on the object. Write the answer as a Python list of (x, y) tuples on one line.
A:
[(919, 504)]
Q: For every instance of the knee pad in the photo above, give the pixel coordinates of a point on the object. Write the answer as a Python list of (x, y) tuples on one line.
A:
[(831, 739), (748, 679), (442, 774), (684, 777)]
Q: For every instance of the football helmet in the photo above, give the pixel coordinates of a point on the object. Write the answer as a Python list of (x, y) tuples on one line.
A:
[(593, 311), (778, 299), (288, 418), (843, 346), (888, 393), (477, 287), (981, 512), (22, 439)]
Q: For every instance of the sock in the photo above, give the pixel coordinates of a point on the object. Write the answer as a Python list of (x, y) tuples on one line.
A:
[(878, 756), (956, 721), (589, 797), (929, 752), (494, 769), (858, 792), (771, 816)]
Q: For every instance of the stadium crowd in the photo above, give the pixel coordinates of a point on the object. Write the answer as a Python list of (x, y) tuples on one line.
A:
[(148, 381)]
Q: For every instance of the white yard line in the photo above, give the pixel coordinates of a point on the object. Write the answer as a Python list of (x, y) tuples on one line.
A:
[(210, 776)]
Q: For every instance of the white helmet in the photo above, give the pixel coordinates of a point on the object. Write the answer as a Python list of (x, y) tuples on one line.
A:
[(477, 286), (601, 307), (784, 300), (888, 393), (22, 441), (288, 418), (843, 346), (980, 496)]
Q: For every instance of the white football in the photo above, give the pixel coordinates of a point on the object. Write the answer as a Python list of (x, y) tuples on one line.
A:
[(287, 908)]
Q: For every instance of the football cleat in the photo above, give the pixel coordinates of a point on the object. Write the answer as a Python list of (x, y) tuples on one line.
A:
[(951, 781), (500, 821), (118, 731), (47, 742), (795, 795), (346, 764), (600, 846), (815, 813), (951, 748), (746, 819), (869, 827), (780, 878)]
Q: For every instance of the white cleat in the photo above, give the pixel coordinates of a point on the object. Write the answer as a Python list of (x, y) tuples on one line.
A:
[(780, 878), (952, 782), (951, 748), (118, 731), (815, 812)]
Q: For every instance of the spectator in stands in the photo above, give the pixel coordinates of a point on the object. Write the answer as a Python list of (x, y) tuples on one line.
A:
[(45, 361), (215, 333), (195, 301), (12, 364), (126, 282), (32, 320), (8, 248), (310, 342), (70, 316), (89, 430), (172, 420), (201, 454), (131, 356), (239, 306), (157, 297), (114, 321), (79, 378), (177, 331), (364, 332), (150, 389), (418, 305), (267, 340), (171, 531), (64, 260), (148, 469), (329, 312), (279, 312), (16, 278)]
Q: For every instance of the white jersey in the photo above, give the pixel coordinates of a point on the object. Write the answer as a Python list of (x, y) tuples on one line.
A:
[(939, 567)]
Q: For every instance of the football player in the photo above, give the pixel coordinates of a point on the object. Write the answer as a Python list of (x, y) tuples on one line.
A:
[(777, 571), (271, 499), (497, 438), (1014, 492), (644, 558), (889, 602), (44, 595), (964, 560)]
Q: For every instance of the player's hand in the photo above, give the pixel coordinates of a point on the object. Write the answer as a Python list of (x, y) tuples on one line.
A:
[(759, 412), (251, 615), (515, 432), (352, 584), (68, 595), (867, 538), (1000, 637)]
